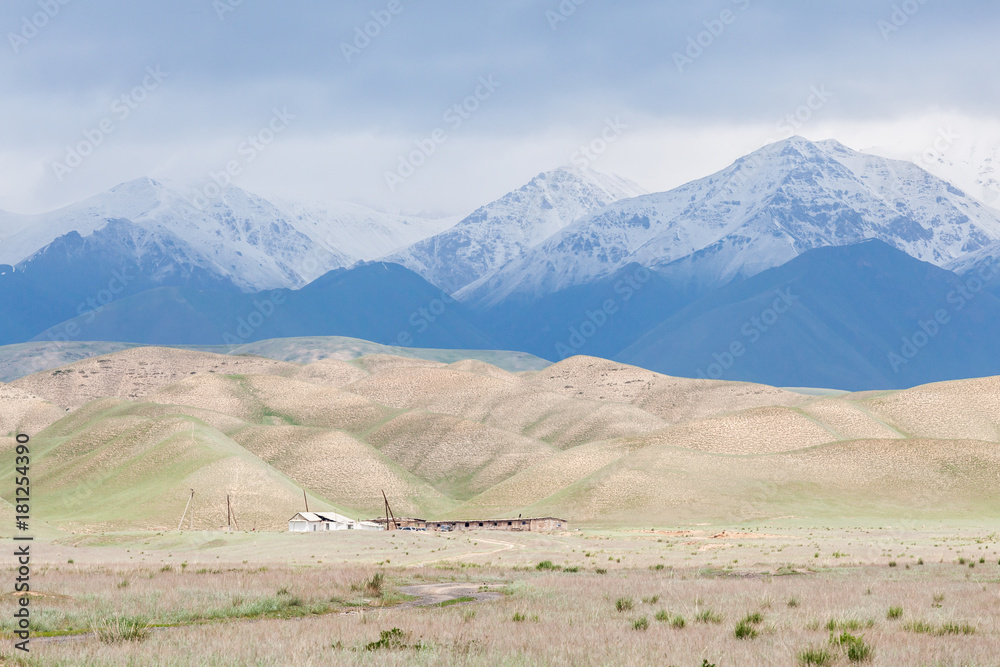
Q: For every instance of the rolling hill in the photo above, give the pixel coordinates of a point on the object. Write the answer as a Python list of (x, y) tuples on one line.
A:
[(120, 440)]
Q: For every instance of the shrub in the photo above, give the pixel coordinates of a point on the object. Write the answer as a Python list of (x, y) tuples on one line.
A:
[(815, 656), (640, 623), (624, 604), (393, 640)]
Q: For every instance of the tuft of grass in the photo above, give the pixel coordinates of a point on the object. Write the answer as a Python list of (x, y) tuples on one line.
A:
[(947, 628), (747, 627), (792, 602), (677, 621), (641, 623), (624, 604), (894, 613), (518, 617), (708, 616), (651, 600), (547, 565), (852, 624), (856, 648), (120, 628), (859, 650), (454, 601), (601, 570), (815, 656), (662, 616), (950, 628)]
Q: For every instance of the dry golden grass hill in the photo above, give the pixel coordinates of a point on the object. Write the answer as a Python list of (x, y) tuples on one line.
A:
[(120, 440)]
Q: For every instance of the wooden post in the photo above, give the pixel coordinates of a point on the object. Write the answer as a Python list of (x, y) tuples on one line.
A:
[(191, 525), (388, 514), (181, 522), (305, 498), (229, 513)]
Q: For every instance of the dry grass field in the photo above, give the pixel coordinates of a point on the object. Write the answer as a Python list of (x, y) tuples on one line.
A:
[(768, 594)]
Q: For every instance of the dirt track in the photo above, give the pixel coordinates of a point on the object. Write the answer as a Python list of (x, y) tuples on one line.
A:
[(431, 594)]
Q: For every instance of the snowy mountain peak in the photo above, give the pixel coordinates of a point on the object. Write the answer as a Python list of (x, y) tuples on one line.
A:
[(506, 228), (237, 235), (760, 212)]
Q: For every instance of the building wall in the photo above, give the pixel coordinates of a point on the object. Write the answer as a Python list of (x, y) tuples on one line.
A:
[(508, 525)]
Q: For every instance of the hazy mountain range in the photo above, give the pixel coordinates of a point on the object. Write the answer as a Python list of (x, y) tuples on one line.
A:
[(864, 250)]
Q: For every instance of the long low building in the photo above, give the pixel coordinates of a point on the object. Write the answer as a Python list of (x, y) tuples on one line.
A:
[(310, 522), (536, 524)]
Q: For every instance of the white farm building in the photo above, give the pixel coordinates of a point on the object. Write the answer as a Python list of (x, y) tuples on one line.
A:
[(309, 522)]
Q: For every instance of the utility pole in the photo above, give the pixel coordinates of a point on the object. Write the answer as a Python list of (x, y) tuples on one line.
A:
[(388, 514), (181, 522), (305, 498), (229, 513)]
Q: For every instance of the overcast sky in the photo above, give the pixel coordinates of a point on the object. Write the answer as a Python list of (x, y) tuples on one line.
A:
[(557, 76)]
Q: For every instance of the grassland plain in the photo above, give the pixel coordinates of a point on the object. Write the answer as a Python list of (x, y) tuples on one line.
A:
[(891, 595)]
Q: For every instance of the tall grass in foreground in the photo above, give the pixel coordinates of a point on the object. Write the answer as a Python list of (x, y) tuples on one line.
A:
[(121, 628)]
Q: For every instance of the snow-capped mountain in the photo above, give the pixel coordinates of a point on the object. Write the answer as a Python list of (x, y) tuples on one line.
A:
[(760, 212), (236, 235), (505, 229), (972, 164)]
